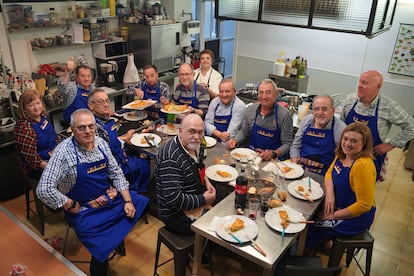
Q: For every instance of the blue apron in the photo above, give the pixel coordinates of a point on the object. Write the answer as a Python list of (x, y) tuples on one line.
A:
[(344, 196), (152, 92), (190, 101), (136, 170), (46, 138), (372, 122), (222, 122), (318, 147), (101, 228), (263, 138), (80, 101)]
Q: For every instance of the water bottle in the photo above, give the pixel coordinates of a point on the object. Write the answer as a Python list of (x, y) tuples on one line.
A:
[(241, 192)]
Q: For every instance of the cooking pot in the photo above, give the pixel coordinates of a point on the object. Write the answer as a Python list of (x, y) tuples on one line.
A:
[(294, 101), (156, 9)]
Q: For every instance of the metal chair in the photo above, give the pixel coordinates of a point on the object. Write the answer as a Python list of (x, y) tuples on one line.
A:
[(182, 246), (309, 266), (352, 246)]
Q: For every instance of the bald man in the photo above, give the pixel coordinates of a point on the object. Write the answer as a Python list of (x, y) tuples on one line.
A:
[(379, 113), (179, 185)]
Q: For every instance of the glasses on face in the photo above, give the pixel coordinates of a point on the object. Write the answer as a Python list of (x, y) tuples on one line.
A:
[(321, 108), (101, 101), (185, 74), (267, 93), (83, 127)]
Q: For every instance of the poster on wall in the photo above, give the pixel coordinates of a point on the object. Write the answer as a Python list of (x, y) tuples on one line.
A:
[(402, 60)]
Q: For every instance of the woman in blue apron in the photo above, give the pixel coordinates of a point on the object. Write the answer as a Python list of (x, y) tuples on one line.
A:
[(372, 122), (349, 206), (190, 101), (222, 122), (136, 169), (318, 146), (261, 137), (33, 124), (101, 225)]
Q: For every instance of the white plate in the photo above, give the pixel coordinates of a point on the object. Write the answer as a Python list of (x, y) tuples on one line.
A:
[(174, 112), (147, 103), (317, 191), (249, 230), (211, 173), (211, 142), (139, 140), (296, 172), (135, 115), (170, 130), (273, 219), (251, 154)]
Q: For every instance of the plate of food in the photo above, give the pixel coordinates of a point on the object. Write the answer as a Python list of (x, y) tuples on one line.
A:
[(221, 173), (299, 189), (138, 139), (172, 108), (285, 217), (211, 142), (290, 169), (139, 104), (169, 128), (135, 115), (241, 153), (235, 226)]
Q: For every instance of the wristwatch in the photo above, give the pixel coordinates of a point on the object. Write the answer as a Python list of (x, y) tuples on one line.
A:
[(72, 205), (274, 155)]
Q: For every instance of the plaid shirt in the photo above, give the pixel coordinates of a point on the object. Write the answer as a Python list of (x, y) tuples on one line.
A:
[(69, 91), (389, 113)]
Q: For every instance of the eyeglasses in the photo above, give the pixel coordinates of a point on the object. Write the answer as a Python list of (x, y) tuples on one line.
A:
[(185, 74), (83, 127), (267, 92), (322, 108), (101, 101)]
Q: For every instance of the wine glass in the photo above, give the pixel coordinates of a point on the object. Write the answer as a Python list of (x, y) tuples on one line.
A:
[(244, 161)]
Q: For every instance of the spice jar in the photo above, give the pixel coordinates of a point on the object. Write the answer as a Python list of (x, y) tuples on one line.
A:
[(124, 33)]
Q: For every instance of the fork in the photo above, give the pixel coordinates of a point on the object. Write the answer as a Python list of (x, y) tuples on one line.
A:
[(152, 138), (227, 229)]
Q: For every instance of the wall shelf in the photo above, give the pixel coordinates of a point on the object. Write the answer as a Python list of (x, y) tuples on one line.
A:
[(35, 48)]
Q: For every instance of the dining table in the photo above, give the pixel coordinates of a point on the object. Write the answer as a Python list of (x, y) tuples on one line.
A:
[(270, 240)]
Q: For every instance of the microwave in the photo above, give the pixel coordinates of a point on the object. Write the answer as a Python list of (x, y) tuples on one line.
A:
[(110, 49)]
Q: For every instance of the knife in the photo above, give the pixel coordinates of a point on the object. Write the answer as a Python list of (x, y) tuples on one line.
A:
[(256, 246), (301, 221), (148, 141), (304, 195)]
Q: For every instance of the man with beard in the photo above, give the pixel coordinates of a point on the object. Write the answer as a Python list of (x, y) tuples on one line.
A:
[(190, 92), (317, 137), (181, 190), (151, 88)]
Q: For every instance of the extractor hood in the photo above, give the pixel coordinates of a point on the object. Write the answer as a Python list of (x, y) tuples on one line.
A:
[(366, 17)]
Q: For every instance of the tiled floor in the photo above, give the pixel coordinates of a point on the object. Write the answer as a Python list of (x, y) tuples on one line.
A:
[(393, 230)]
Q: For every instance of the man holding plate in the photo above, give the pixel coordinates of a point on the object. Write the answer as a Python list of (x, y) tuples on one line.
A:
[(267, 125), (136, 169), (182, 192), (225, 113)]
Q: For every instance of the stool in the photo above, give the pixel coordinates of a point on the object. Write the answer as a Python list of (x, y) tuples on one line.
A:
[(31, 184), (181, 246), (352, 245)]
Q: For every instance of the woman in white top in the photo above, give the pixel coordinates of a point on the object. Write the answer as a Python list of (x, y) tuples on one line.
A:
[(206, 75)]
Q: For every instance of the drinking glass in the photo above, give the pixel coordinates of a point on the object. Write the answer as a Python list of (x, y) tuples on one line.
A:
[(254, 204), (264, 201)]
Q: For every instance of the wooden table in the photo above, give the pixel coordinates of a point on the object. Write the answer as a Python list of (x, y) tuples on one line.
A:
[(268, 239), (21, 245)]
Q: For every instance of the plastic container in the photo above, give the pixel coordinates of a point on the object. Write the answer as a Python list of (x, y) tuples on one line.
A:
[(6, 129)]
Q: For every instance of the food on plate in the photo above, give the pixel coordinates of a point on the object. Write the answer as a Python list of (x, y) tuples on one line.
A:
[(132, 115), (139, 104), (286, 169), (300, 188), (147, 122), (224, 174), (284, 218), (240, 155), (252, 190), (240, 211), (273, 203), (143, 141), (218, 160), (266, 190), (237, 225), (282, 195), (172, 107)]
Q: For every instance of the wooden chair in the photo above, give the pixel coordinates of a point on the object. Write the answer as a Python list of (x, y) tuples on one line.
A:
[(30, 185)]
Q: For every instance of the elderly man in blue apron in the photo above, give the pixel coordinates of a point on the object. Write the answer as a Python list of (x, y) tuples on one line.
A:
[(317, 137), (84, 178), (267, 125)]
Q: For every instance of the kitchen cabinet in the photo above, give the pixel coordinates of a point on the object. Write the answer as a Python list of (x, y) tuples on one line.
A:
[(292, 84)]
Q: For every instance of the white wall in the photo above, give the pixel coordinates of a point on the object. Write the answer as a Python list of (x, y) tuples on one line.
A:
[(335, 60)]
